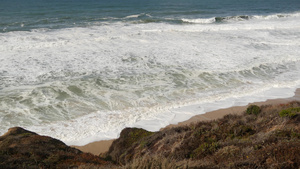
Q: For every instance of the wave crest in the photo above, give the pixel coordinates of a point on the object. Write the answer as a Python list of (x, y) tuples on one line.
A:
[(238, 18)]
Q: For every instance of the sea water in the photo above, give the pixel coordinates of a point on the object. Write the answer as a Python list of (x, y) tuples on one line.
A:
[(81, 71)]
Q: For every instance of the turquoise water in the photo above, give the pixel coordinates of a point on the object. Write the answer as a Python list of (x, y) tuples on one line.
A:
[(81, 71)]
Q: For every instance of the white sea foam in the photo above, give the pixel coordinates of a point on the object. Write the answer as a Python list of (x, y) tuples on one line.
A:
[(206, 20), (107, 125), (277, 17), (134, 16), (85, 84)]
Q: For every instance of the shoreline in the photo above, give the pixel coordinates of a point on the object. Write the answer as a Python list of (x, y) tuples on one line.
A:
[(102, 146)]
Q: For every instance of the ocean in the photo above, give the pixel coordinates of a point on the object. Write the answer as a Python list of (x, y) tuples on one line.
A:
[(81, 71)]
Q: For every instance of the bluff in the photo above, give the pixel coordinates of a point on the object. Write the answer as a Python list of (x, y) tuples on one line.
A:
[(261, 137), (20, 148)]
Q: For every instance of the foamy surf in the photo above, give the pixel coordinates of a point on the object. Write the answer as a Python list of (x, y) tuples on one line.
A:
[(85, 78), (239, 18), (107, 125)]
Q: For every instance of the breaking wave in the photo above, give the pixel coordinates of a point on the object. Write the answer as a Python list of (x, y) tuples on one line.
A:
[(239, 18)]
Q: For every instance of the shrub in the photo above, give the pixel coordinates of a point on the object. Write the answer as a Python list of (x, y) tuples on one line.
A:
[(205, 149), (253, 109), (290, 112)]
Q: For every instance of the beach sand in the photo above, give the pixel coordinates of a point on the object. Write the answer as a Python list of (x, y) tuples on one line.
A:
[(103, 146), (96, 147)]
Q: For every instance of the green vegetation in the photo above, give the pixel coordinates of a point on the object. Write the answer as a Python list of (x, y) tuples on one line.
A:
[(137, 135), (253, 109), (290, 112)]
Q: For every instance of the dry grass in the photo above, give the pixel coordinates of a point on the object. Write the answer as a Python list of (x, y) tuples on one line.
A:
[(261, 139)]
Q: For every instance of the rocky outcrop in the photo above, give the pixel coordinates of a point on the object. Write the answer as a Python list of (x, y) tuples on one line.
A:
[(20, 148), (118, 150)]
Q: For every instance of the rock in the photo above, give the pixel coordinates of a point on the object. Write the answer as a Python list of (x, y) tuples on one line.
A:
[(20, 148)]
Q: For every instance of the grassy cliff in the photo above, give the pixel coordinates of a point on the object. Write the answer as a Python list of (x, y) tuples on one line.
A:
[(261, 137)]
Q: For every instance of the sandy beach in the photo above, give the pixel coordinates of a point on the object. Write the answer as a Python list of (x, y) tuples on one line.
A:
[(103, 146)]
